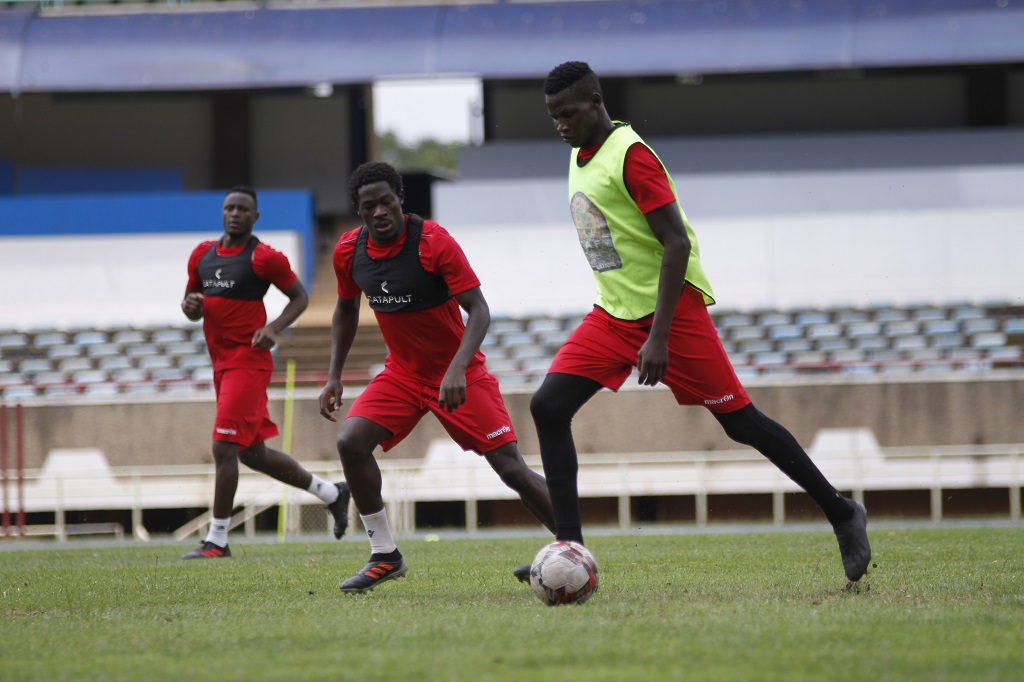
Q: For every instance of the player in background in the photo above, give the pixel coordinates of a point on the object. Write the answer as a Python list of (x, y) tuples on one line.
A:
[(227, 280), (415, 278), (651, 313)]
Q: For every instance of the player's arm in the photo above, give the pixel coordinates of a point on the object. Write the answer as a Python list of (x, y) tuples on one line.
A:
[(192, 305), (192, 301), (298, 299), (344, 324), (666, 224), (452, 392)]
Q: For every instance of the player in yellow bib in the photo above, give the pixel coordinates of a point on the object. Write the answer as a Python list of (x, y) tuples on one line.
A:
[(651, 313)]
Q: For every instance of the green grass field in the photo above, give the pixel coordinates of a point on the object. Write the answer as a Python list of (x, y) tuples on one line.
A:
[(940, 604)]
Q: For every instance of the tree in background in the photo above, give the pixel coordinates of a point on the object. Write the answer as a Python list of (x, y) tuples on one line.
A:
[(427, 155)]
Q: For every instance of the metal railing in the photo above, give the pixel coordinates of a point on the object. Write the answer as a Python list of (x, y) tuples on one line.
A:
[(448, 474)]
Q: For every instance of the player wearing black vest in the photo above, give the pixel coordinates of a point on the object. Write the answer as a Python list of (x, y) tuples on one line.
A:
[(417, 281), (227, 280)]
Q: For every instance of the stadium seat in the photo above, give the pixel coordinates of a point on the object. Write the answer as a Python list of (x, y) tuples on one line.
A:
[(979, 325), (199, 361), (849, 316), (746, 332), (89, 338), (101, 390), (140, 349), (731, 320), (153, 362), (825, 330), (785, 331), (128, 336), (74, 364), (1014, 325), (759, 346), (166, 336), (831, 344), (988, 340), (900, 328), (114, 362), (864, 328), (35, 366), (936, 327), (18, 392), (103, 350), (14, 341), (812, 318), (794, 345)]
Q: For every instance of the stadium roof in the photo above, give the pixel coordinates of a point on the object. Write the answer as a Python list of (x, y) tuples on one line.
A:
[(267, 45)]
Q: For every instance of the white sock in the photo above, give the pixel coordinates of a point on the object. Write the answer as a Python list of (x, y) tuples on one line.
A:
[(326, 491), (379, 532), (218, 534)]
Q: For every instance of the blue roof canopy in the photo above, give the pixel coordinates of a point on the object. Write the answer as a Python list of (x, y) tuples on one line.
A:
[(284, 46)]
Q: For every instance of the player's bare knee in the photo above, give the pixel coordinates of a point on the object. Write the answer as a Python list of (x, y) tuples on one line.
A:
[(224, 452), (351, 451)]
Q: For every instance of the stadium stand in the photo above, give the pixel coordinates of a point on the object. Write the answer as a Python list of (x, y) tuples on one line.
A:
[(960, 337)]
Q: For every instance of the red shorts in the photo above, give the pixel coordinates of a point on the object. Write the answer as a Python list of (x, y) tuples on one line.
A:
[(605, 349), (397, 402), (242, 415)]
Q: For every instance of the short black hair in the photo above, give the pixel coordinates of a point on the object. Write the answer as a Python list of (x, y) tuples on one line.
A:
[(244, 189), (576, 75), (371, 172)]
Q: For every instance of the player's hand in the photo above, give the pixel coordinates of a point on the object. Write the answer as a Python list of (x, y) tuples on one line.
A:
[(192, 305), (330, 399), (652, 362), (265, 338), (452, 392)]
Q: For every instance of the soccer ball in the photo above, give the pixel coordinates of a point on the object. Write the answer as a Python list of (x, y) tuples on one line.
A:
[(564, 572)]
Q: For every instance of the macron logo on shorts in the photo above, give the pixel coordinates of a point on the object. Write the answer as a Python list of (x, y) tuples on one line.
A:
[(718, 401), (494, 434), (227, 432)]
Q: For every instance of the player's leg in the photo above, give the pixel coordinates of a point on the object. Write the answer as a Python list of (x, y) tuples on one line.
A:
[(700, 374), (229, 429), (283, 467), (508, 463), (482, 424), (356, 443), (553, 407), (225, 483), (848, 517), (597, 354), (383, 414)]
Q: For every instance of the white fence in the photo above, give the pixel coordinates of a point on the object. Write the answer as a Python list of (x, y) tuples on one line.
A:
[(75, 480)]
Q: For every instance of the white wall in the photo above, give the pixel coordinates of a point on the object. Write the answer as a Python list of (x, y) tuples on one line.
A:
[(768, 239), (100, 281)]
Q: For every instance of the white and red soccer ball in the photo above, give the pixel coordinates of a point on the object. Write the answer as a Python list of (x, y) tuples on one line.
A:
[(564, 572)]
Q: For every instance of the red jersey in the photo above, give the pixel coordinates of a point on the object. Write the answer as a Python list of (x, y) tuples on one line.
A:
[(644, 176), (228, 323), (422, 342)]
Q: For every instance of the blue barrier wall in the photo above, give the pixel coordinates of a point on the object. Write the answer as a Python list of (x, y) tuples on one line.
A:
[(6, 178), (155, 212), (45, 180)]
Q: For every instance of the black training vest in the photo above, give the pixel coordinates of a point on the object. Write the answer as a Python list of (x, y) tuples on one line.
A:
[(399, 284), (232, 276)]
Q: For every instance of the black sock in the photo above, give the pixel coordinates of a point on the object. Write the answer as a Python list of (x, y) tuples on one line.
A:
[(389, 556), (751, 427), (553, 407)]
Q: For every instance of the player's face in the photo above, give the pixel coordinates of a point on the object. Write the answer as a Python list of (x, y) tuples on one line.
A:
[(239, 214), (381, 210), (577, 119)]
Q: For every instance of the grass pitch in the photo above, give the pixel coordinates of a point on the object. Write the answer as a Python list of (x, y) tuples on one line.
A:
[(940, 604)]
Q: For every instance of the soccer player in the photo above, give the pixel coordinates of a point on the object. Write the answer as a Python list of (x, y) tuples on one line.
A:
[(651, 313), (227, 280), (415, 278)]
